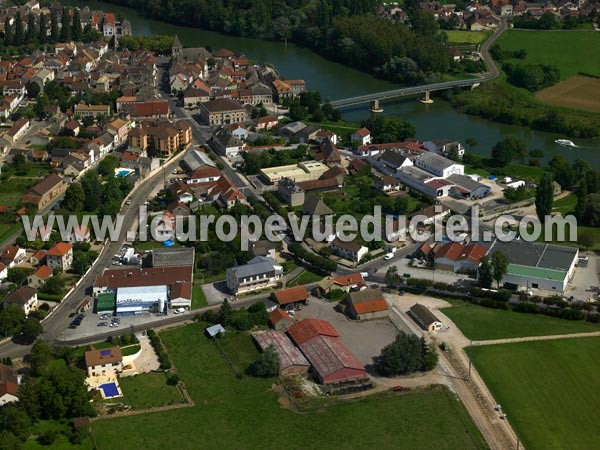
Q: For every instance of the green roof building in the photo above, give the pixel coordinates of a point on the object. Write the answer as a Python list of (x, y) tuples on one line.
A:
[(106, 302)]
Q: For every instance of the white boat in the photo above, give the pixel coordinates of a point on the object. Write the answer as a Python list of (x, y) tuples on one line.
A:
[(565, 143)]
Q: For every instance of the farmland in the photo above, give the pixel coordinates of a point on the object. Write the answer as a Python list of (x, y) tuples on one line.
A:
[(578, 92), (573, 52), (550, 387), (466, 37), (234, 411), (480, 323)]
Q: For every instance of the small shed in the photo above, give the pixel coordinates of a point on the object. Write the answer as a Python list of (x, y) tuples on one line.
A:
[(215, 330), (425, 318)]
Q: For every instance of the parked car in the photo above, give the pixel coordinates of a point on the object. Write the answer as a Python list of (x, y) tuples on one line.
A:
[(102, 324), (388, 256), (179, 310)]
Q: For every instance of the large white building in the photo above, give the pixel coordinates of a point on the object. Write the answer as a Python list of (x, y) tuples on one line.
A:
[(136, 300), (259, 273)]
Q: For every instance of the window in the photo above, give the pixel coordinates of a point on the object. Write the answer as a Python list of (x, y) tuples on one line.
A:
[(535, 285)]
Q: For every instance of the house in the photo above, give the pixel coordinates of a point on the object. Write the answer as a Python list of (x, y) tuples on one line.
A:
[(24, 297), (39, 256), (3, 272), (226, 144), (215, 330), (17, 131), (80, 233), (432, 213), (457, 257), (13, 255), (366, 304), (265, 123), (290, 192), (47, 190), (444, 147), (314, 206), (280, 319), (349, 250), (238, 131), (60, 256), (264, 247), (94, 111), (324, 135), (303, 171), (331, 361), (259, 273), (9, 392), (105, 362), (465, 187), (362, 136), (291, 360), (37, 279), (204, 174), (390, 161), (291, 298), (222, 111), (388, 183), (424, 318)]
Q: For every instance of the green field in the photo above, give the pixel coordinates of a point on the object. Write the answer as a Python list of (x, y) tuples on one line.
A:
[(466, 37), (62, 430), (198, 297), (480, 323), (565, 205), (550, 388), (147, 390), (572, 51), (233, 411), (305, 277)]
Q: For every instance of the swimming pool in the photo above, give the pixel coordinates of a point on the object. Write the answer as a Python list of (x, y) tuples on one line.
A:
[(121, 172), (110, 390)]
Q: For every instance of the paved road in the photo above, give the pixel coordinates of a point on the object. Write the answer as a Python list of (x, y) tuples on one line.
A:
[(492, 73)]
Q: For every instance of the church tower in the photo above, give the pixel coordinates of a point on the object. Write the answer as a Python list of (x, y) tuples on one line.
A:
[(176, 50)]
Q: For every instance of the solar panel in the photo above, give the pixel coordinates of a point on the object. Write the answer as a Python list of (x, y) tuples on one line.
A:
[(106, 352)]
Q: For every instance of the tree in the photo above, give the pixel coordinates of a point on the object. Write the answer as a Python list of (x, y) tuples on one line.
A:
[(32, 31), (107, 166), (33, 89), (8, 33), (586, 239), (18, 275), (43, 33), (499, 266), (407, 354), (74, 198), (392, 279), (318, 115), (485, 276), (336, 115), (471, 142), (11, 320), (19, 161), (19, 37), (41, 356), (544, 197), (76, 27), (389, 129), (225, 312), (267, 364), (8, 441), (54, 285), (65, 28), (54, 33), (507, 150), (581, 194), (591, 216), (32, 328), (15, 420), (563, 172), (92, 187)]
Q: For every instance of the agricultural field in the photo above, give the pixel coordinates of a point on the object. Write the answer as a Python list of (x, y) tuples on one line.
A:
[(573, 52), (550, 389), (233, 410), (578, 92), (480, 323), (466, 37)]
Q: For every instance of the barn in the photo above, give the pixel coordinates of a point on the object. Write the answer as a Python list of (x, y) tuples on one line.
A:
[(291, 298), (291, 360), (366, 305)]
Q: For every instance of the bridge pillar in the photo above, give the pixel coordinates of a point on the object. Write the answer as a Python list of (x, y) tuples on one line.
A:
[(426, 99), (375, 107)]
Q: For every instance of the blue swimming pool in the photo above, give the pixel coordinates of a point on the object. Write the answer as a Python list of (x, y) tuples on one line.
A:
[(120, 173), (110, 390)]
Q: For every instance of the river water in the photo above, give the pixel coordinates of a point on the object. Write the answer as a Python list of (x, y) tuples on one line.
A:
[(335, 81)]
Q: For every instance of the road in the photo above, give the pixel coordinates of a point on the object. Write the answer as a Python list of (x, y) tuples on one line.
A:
[(491, 74)]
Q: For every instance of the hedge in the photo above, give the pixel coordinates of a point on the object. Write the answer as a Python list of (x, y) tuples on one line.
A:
[(49, 297), (163, 357)]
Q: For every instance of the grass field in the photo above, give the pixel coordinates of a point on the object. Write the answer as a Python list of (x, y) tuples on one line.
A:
[(515, 170), (480, 323), (241, 412), (551, 388), (198, 297), (466, 37), (305, 277), (572, 52), (565, 205), (12, 190), (147, 390), (578, 92)]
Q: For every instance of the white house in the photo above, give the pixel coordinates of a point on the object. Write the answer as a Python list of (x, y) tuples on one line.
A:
[(3, 272), (259, 273), (349, 250), (362, 136), (24, 297)]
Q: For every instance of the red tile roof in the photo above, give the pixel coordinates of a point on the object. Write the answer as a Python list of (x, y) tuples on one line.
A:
[(309, 328), (277, 315), (349, 280), (43, 272), (60, 249), (291, 295)]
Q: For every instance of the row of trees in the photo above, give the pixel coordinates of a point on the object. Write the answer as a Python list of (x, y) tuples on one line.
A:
[(67, 29), (492, 269), (14, 323)]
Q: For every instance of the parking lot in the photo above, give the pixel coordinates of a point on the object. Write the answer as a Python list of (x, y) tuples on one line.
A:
[(364, 339), (584, 283)]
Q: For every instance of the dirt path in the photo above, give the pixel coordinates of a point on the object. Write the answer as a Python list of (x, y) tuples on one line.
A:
[(536, 338)]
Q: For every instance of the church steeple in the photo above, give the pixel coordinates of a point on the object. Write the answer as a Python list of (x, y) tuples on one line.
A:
[(176, 48)]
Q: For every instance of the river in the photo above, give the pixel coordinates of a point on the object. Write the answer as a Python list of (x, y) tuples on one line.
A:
[(335, 81)]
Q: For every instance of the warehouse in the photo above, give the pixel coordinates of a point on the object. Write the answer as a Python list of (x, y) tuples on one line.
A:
[(537, 266), (291, 360), (332, 362), (304, 171), (137, 300)]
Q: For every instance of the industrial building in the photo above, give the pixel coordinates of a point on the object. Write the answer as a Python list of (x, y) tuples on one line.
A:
[(291, 360), (536, 265), (331, 361), (136, 300), (303, 171)]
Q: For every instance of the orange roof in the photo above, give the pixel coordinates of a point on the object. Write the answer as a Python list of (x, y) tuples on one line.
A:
[(291, 295), (277, 315), (43, 272), (349, 280), (59, 249), (362, 132), (371, 306), (309, 328)]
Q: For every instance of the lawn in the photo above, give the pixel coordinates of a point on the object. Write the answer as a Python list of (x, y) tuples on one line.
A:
[(466, 37), (148, 390), (480, 323), (514, 170), (130, 349), (198, 297), (305, 277), (565, 205), (233, 412), (572, 52), (13, 189), (550, 388)]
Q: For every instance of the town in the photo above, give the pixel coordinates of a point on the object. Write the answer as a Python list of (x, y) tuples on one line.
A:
[(139, 324)]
